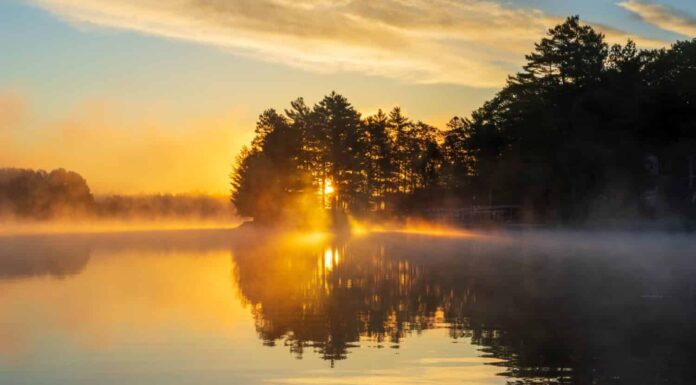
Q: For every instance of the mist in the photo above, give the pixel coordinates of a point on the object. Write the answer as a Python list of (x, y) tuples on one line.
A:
[(37, 201)]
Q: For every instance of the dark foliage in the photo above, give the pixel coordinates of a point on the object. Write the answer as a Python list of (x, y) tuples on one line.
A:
[(567, 140), (41, 194), (61, 194), (163, 206)]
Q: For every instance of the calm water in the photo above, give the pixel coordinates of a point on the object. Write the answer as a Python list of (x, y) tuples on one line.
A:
[(236, 307)]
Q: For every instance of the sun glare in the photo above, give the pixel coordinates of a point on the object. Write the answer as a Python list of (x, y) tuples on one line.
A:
[(331, 259), (328, 188), (413, 227)]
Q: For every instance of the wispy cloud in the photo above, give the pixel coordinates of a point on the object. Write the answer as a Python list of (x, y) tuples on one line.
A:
[(663, 17), (470, 42)]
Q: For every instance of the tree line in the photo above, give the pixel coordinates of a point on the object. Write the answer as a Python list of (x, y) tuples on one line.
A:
[(60, 194), (567, 138), (40, 194)]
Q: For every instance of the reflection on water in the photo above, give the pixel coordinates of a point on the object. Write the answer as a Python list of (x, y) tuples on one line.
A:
[(190, 307), (32, 256), (329, 297)]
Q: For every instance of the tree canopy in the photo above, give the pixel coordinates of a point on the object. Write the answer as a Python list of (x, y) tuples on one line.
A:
[(41, 195), (62, 194), (566, 139)]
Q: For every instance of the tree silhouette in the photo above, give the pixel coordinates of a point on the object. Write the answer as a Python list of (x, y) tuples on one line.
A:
[(42, 195), (565, 139)]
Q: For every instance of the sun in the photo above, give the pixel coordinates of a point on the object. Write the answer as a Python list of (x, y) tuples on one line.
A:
[(328, 188)]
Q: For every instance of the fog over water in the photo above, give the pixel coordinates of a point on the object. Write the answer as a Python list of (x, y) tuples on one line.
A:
[(89, 225), (243, 305)]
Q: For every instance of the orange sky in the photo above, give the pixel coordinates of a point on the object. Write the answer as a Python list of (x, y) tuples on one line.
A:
[(118, 152), (155, 96)]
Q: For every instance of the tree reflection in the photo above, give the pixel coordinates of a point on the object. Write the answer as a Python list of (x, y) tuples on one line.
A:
[(331, 295), (572, 319), (39, 255)]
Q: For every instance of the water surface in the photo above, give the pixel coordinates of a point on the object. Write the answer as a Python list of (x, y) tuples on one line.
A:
[(243, 307)]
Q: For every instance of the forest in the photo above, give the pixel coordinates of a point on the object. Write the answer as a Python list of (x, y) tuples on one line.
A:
[(584, 132), (39, 195)]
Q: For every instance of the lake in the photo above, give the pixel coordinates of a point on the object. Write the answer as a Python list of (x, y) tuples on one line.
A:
[(253, 307)]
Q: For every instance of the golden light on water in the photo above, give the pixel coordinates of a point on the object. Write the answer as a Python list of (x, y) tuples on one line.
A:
[(308, 238), (87, 225), (119, 288), (331, 258), (433, 231), (413, 227)]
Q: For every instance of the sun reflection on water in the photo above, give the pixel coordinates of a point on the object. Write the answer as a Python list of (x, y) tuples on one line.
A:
[(331, 258), (415, 227)]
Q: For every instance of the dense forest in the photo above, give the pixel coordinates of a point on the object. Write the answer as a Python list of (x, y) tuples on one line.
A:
[(585, 131), (40, 194), (60, 194)]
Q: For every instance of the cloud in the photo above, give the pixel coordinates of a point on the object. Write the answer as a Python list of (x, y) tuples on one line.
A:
[(663, 17), (617, 36), (470, 42)]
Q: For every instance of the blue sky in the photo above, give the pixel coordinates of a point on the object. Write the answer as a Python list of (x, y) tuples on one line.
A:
[(77, 76)]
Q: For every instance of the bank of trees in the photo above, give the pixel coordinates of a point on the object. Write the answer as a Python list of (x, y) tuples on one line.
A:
[(329, 156), (62, 194), (39, 194), (154, 207), (566, 137)]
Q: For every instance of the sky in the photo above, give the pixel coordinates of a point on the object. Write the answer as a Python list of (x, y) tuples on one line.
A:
[(156, 96)]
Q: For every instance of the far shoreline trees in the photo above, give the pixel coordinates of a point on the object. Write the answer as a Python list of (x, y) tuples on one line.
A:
[(566, 139), (38, 195)]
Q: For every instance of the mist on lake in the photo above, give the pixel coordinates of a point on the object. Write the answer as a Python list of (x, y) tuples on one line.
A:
[(383, 306)]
